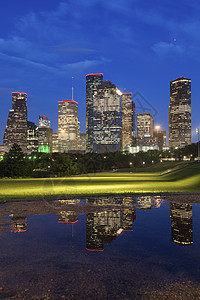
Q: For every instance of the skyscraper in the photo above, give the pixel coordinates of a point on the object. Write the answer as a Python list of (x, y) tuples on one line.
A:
[(44, 121), (107, 118), (144, 125), (92, 82), (180, 112), (16, 128), (127, 120), (67, 125), (32, 137), (44, 135)]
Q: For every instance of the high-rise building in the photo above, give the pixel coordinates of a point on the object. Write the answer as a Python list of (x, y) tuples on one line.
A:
[(92, 82), (67, 125), (133, 109), (16, 128), (144, 125), (180, 112), (107, 118), (32, 137), (161, 137), (82, 142), (44, 135), (55, 142), (44, 121), (127, 120)]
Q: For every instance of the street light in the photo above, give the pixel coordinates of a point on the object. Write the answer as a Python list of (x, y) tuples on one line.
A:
[(197, 132)]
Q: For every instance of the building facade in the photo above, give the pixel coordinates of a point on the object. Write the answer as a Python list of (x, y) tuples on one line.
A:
[(144, 125), (161, 137), (55, 142), (67, 125), (93, 81), (32, 137), (107, 118), (44, 121), (127, 121), (16, 128), (180, 113)]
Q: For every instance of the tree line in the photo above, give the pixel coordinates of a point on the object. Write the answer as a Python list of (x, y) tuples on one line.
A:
[(17, 164)]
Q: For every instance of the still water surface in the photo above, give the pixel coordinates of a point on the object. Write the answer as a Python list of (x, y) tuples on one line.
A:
[(100, 248)]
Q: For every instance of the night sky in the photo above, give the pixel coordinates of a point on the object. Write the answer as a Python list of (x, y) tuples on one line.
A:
[(138, 45)]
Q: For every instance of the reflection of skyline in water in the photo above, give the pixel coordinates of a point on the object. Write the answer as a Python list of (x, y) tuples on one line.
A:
[(107, 218), (181, 224), (104, 227), (18, 224)]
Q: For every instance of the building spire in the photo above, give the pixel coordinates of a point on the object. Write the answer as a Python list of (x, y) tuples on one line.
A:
[(72, 88)]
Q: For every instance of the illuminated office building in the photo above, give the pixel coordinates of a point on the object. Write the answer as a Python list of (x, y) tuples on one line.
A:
[(180, 112), (127, 121), (16, 128), (44, 121), (44, 135), (45, 139), (144, 125), (133, 109), (107, 118), (92, 82), (181, 224), (32, 137), (67, 125), (82, 142), (55, 142), (161, 137)]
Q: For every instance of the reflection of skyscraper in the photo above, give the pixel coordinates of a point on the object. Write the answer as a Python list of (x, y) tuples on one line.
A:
[(68, 217), (16, 128), (145, 202), (107, 118), (92, 82), (181, 224), (18, 224), (67, 125), (128, 217), (127, 120), (103, 227), (180, 113), (93, 241)]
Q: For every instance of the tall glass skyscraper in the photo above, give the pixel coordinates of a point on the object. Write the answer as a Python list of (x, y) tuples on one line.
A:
[(67, 125), (92, 83), (16, 128), (180, 112), (144, 125), (127, 120), (107, 118)]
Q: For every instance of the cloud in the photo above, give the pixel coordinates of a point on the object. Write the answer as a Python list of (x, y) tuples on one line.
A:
[(167, 48)]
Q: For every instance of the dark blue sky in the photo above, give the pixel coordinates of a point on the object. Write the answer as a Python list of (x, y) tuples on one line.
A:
[(139, 45)]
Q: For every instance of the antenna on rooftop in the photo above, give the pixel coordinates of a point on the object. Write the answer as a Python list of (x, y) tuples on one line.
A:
[(72, 88)]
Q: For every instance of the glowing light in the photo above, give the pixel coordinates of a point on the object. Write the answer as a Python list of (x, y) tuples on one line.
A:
[(118, 92), (157, 127)]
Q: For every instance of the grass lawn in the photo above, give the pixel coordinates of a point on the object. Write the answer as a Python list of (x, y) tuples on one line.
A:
[(182, 180)]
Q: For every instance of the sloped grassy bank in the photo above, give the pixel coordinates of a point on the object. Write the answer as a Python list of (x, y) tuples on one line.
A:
[(185, 179)]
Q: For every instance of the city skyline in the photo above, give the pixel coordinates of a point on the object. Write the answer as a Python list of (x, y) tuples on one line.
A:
[(42, 48)]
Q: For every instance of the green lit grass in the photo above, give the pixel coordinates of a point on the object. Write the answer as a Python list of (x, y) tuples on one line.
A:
[(183, 180)]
